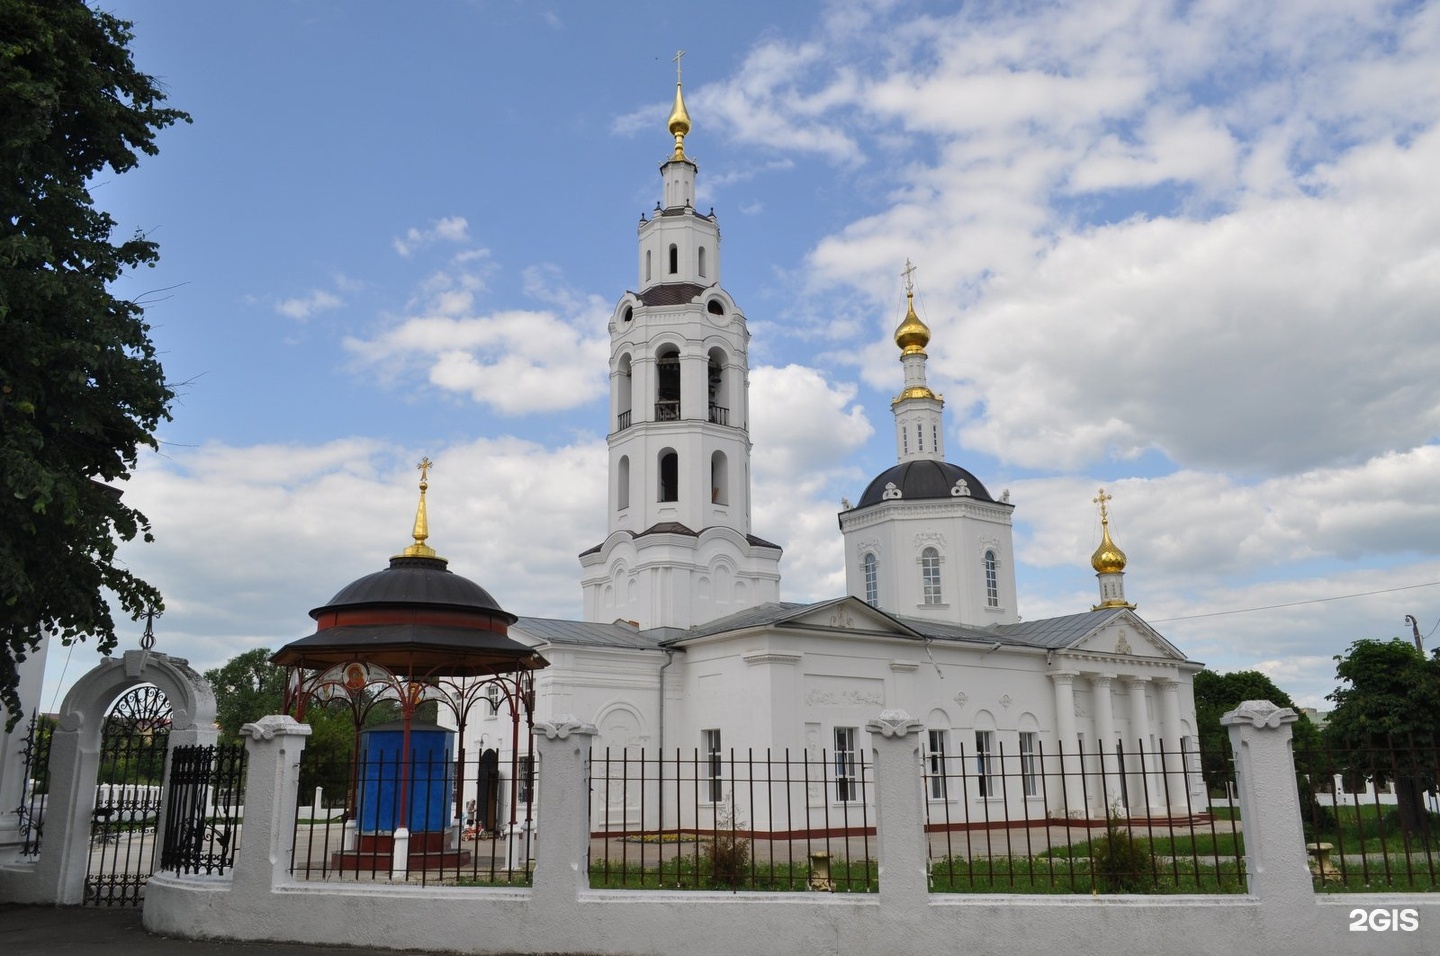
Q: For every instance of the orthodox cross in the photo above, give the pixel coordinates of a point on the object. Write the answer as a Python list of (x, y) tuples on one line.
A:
[(909, 273), (425, 465), (676, 58), (1100, 500)]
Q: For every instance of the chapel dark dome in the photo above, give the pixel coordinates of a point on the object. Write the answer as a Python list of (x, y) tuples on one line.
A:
[(921, 479), (412, 582)]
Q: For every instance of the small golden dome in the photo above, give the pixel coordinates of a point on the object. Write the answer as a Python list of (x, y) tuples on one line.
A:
[(679, 123), (913, 335), (1107, 559)]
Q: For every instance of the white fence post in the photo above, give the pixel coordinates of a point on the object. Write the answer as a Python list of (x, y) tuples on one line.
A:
[(1275, 864), (564, 749), (272, 780), (900, 811)]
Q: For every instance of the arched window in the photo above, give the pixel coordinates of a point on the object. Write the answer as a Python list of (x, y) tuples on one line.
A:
[(715, 307), (674, 259), (719, 479), (719, 411), (992, 581), (872, 579), (667, 384), (930, 577), (669, 476), (702, 262), (622, 484), (624, 381)]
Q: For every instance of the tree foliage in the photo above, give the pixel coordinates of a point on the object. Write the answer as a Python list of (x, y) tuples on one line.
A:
[(1217, 694), (81, 389), (1386, 722)]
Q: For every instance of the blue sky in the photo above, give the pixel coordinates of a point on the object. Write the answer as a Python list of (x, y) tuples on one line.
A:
[(1189, 252)]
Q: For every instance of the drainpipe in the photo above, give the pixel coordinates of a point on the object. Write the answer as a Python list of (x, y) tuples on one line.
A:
[(669, 659)]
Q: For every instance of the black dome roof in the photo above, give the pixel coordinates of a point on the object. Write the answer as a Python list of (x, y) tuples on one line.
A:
[(924, 478), (415, 581)]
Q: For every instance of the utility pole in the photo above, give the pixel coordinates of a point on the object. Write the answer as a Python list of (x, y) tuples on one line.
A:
[(1415, 629)]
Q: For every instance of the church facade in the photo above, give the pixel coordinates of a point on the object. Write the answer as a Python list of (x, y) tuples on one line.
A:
[(686, 647)]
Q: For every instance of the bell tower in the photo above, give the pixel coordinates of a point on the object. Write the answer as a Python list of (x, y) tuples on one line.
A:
[(679, 551)]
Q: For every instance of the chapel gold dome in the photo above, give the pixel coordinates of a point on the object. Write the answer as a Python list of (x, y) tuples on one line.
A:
[(1107, 559), (913, 335)]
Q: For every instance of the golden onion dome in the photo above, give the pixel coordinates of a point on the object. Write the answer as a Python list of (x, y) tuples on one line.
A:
[(1107, 559), (679, 123), (913, 335)]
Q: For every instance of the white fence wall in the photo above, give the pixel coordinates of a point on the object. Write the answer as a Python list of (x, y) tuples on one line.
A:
[(1282, 914)]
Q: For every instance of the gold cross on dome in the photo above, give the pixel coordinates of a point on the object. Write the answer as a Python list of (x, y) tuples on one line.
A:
[(1100, 500), (425, 465), (676, 58), (909, 273)]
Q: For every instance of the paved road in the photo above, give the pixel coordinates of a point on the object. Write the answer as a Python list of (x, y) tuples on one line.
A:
[(81, 931)]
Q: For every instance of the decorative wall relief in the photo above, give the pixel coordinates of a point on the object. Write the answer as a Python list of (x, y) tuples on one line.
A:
[(1122, 646), (934, 538), (960, 698), (1006, 701), (845, 698)]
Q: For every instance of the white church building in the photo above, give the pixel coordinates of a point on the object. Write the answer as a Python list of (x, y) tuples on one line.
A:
[(686, 645)]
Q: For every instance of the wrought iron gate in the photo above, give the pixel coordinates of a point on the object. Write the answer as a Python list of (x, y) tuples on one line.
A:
[(127, 798), (35, 757)]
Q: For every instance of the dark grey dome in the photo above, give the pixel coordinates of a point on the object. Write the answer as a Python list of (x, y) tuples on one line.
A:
[(415, 581), (923, 479)]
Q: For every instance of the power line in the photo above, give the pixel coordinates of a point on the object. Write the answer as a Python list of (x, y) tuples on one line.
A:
[(1271, 607)]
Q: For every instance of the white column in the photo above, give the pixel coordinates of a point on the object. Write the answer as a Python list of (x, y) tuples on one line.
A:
[(1067, 752), (563, 747), (1142, 785), (1275, 864), (273, 745), (1108, 786), (900, 814), (1174, 765)]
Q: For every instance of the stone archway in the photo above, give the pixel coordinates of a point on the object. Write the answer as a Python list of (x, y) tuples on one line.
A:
[(59, 874)]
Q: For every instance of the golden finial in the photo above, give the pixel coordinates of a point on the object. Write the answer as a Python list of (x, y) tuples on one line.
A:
[(679, 122), (421, 531), (1107, 559), (913, 335)]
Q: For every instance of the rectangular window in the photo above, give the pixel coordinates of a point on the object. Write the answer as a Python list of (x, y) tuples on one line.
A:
[(714, 766), (1028, 763), (984, 763), (935, 760), (847, 787)]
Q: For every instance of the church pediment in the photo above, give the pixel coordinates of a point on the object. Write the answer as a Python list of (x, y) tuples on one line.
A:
[(848, 614), (1126, 635)]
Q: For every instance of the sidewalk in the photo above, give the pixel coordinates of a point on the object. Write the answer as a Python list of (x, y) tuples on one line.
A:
[(75, 930)]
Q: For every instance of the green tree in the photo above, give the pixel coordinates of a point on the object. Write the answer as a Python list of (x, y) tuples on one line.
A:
[(81, 390), (1217, 694), (1386, 721), (246, 688)]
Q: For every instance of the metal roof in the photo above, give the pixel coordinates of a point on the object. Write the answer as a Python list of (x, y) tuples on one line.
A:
[(586, 633)]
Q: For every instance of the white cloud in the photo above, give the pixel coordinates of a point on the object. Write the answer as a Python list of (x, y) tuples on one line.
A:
[(249, 539), (447, 229), (303, 307), (515, 361)]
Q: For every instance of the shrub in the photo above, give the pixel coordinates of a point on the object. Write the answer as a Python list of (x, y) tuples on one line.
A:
[(1122, 863), (725, 856)]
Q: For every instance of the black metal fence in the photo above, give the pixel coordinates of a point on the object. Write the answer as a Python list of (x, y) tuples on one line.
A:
[(732, 820), (467, 821), (35, 760), (203, 810), (1372, 815), (1117, 821)]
